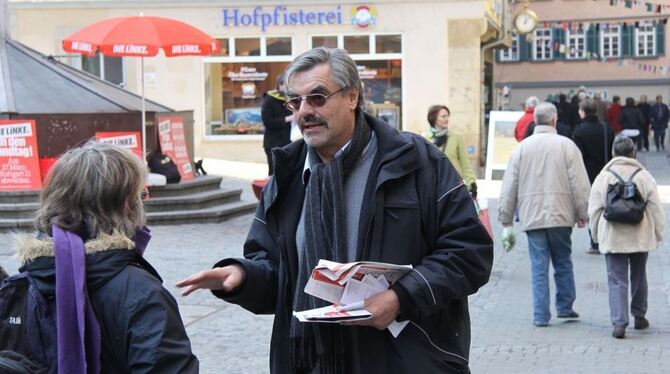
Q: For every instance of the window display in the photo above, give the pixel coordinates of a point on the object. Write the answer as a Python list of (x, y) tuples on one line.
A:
[(382, 86)]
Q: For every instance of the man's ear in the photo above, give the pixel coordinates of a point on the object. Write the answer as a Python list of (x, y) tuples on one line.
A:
[(352, 98)]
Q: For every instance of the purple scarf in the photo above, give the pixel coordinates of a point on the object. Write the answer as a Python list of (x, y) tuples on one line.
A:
[(77, 328)]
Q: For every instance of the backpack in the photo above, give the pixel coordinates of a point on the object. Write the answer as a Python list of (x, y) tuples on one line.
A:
[(162, 164), (27, 328), (624, 203)]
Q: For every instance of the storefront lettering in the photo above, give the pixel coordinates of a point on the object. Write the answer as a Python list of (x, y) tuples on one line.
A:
[(280, 16), (247, 73), (130, 48)]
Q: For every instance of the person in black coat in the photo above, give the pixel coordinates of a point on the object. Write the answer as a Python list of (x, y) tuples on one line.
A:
[(276, 120), (594, 139), (631, 119), (645, 109)]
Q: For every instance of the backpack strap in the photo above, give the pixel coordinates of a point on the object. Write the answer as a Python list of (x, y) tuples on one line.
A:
[(633, 175), (616, 175)]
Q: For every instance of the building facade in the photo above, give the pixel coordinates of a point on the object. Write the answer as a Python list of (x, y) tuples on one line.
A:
[(609, 47), (410, 55)]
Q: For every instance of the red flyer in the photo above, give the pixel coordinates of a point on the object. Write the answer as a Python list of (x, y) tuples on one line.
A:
[(173, 143), (19, 163), (130, 140)]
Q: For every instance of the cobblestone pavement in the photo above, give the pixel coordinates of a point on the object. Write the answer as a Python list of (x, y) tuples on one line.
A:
[(228, 339)]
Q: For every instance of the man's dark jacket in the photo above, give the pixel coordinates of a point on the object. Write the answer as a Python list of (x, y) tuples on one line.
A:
[(277, 132), (632, 118), (590, 139), (417, 211)]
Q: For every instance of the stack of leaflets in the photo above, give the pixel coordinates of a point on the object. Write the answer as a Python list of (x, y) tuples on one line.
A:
[(347, 286)]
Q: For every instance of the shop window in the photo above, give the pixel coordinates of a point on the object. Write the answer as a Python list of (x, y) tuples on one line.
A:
[(388, 44), (278, 47), (104, 67), (511, 53), (234, 94), (576, 44), (645, 40), (382, 89), (225, 48), (542, 45), (610, 41), (324, 41), (357, 44), (247, 47)]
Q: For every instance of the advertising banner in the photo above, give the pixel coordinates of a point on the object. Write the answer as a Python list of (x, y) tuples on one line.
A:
[(173, 143), (19, 164), (129, 140)]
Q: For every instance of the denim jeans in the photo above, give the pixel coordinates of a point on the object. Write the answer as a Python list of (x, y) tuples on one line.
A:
[(544, 246), (659, 139)]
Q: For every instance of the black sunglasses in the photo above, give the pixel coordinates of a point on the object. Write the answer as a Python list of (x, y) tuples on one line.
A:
[(315, 100)]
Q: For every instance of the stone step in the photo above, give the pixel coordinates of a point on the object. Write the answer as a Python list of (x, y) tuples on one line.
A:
[(19, 210), (194, 201), (208, 215), (195, 185), (21, 224), (19, 197)]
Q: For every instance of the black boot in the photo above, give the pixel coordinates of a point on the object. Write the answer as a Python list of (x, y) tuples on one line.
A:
[(199, 170)]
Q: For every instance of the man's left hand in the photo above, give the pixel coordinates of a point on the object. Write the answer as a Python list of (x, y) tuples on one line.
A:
[(384, 308)]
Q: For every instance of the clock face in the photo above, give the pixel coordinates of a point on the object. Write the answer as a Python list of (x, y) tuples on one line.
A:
[(525, 22)]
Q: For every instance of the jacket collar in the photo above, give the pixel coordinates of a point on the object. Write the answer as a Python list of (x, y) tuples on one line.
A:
[(28, 248), (545, 129), (623, 161)]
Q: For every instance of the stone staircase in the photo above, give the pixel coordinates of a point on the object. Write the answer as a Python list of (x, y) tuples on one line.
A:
[(199, 200)]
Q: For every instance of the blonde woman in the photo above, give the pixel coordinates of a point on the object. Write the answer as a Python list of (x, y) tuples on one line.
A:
[(626, 245), (451, 144)]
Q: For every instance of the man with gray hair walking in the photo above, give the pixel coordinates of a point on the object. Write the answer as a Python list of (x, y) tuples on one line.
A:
[(356, 189), (547, 181)]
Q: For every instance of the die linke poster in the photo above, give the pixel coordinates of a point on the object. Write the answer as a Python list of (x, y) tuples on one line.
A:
[(19, 163), (173, 143), (130, 140)]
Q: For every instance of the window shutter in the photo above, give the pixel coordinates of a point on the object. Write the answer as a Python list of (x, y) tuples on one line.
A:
[(592, 41), (627, 42), (525, 49), (660, 39), (558, 36)]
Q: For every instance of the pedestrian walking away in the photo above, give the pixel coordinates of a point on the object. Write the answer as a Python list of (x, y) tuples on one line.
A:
[(626, 245), (547, 181), (645, 109), (521, 127), (659, 117), (356, 189)]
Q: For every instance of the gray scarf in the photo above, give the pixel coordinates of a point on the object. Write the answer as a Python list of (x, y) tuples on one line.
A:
[(327, 344)]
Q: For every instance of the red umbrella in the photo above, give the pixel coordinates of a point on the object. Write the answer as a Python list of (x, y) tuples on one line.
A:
[(141, 37)]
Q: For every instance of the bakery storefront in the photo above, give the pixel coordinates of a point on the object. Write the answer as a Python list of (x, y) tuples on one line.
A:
[(410, 55)]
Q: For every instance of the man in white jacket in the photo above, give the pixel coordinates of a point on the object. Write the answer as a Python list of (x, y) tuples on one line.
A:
[(547, 181)]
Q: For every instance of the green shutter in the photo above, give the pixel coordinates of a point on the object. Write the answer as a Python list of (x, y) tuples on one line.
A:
[(558, 36), (660, 39), (627, 42), (525, 49), (592, 42)]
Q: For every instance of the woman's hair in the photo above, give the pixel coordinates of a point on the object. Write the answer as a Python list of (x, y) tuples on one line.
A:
[(94, 189), (433, 111), (623, 146)]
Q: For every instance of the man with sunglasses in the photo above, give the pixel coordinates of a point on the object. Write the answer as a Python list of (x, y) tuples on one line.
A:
[(356, 189)]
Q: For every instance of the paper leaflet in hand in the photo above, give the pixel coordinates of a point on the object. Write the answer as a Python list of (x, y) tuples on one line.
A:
[(347, 286)]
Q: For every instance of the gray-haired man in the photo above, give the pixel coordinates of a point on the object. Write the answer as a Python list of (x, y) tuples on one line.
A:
[(547, 181), (356, 189)]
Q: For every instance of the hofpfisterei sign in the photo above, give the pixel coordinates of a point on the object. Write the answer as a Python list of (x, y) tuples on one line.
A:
[(280, 16)]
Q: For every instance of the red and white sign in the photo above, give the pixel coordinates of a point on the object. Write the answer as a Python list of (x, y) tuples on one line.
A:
[(19, 164), (173, 143), (130, 140)]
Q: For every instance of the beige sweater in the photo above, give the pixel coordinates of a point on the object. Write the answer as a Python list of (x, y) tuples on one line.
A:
[(620, 237), (546, 179)]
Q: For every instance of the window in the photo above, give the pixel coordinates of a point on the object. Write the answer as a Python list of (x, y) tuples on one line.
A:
[(236, 80), (324, 41), (576, 44), (542, 45), (610, 41), (104, 67), (388, 44), (645, 39), (382, 88), (357, 44), (511, 53)]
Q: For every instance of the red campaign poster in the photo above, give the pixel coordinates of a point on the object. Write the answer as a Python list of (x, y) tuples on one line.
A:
[(173, 143), (130, 140), (19, 163)]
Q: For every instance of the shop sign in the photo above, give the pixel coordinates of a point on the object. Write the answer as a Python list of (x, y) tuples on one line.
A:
[(363, 17), (173, 143), (19, 164), (128, 140), (280, 16), (365, 73), (248, 90), (247, 73)]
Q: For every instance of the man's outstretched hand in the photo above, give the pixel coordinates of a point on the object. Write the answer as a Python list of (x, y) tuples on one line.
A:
[(226, 278)]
